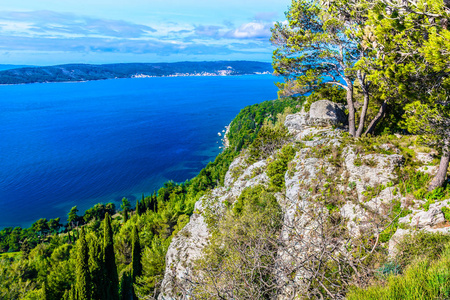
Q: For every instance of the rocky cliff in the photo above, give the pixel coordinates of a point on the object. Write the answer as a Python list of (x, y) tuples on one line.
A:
[(341, 202)]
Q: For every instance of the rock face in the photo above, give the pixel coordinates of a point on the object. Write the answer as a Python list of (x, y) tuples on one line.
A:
[(325, 112), (323, 167), (187, 246)]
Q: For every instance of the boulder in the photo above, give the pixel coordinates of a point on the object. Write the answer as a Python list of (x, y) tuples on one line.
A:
[(325, 113)]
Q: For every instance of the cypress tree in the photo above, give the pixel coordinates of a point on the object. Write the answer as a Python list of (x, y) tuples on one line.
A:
[(96, 266), (125, 286), (111, 279), (136, 248), (154, 203), (138, 209), (125, 214), (137, 265), (143, 205), (82, 282)]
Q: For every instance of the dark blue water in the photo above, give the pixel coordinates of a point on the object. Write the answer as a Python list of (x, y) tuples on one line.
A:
[(66, 144)]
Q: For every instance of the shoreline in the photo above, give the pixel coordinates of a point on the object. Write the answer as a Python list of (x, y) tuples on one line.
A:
[(139, 77)]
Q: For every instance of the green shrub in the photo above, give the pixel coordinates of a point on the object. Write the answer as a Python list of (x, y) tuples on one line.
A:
[(277, 168), (424, 279), (420, 244), (269, 140), (241, 255), (397, 212), (446, 211), (246, 125)]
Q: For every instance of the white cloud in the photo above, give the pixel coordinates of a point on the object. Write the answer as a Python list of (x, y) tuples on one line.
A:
[(250, 30)]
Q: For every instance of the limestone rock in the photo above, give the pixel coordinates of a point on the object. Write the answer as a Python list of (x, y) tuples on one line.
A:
[(185, 248), (370, 170), (296, 123), (325, 112), (395, 239), (422, 219)]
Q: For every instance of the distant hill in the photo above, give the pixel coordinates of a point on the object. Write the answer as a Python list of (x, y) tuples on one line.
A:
[(84, 72), (8, 67)]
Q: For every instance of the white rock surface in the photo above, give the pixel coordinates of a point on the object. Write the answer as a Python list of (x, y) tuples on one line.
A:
[(422, 219)]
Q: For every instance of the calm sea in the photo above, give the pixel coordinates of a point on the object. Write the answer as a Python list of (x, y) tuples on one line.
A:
[(67, 144)]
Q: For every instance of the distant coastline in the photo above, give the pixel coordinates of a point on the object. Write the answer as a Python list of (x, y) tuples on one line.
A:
[(83, 72)]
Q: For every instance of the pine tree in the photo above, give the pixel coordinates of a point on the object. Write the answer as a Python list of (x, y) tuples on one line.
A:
[(82, 281), (137, 265), (154, 203), (111, 279)]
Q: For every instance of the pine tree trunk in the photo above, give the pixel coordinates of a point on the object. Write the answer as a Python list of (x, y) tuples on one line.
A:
[(362, 118), (351, 109), (381, 113), (441, 175)]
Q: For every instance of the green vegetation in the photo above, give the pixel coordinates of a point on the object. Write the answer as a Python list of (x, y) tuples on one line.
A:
[(247, 124), (389, 62), (278, 167), (424, 262)]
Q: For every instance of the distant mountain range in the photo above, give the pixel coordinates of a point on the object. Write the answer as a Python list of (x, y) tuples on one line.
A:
[(84, 72)]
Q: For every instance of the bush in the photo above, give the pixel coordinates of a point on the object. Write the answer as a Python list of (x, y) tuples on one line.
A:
[(268, 140), (425, 278), (421, 244), (277, 168)]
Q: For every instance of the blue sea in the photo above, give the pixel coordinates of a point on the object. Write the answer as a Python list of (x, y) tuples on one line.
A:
[(67, 144)]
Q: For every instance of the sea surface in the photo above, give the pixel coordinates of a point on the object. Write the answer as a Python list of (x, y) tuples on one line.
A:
[(67, 144)]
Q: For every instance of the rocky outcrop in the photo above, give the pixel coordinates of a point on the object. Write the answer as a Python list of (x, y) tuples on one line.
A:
[(325, 178)]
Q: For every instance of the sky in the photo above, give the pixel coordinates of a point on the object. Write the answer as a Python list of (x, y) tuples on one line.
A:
[(49, 32)]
